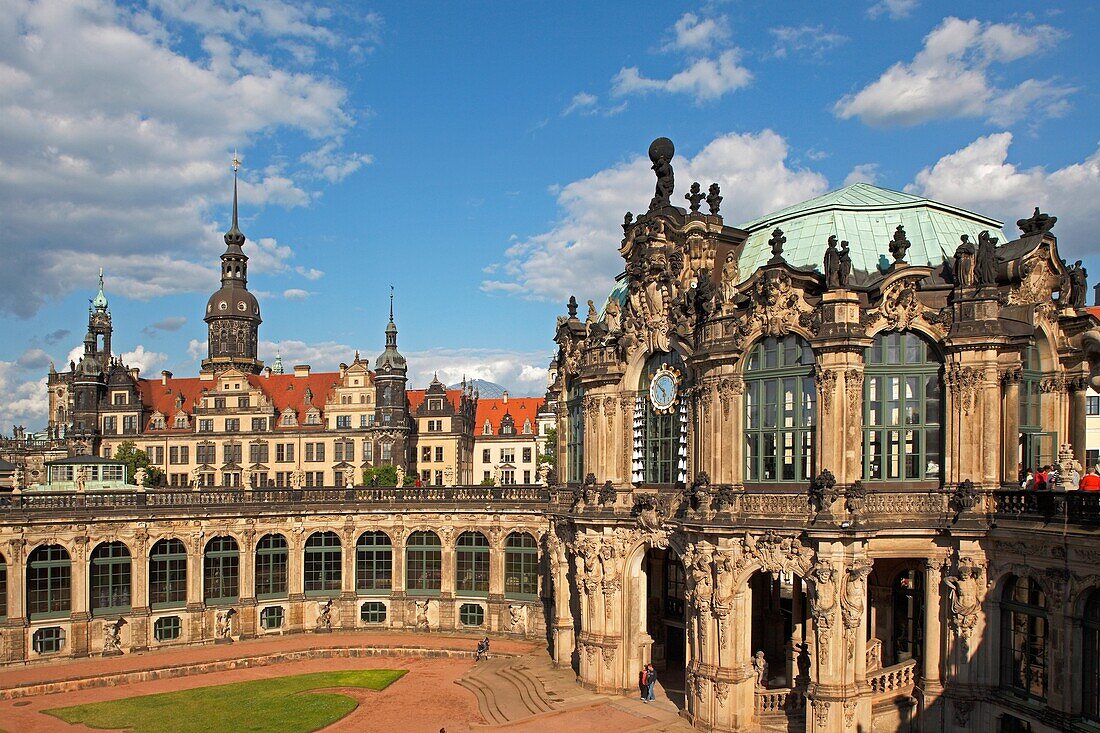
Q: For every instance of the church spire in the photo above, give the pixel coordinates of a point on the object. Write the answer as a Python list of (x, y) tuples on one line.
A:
[(234, 237), (100, 300), (391, 358)]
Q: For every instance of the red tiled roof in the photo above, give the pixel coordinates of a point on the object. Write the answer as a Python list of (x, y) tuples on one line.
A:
[(416, 398), (521, 409)]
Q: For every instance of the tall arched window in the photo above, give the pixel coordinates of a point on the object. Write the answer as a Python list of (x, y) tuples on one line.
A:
[(323, 564), (272, 560), (521, 566), (574, 439), (423, 563), (1090, 683), (780, 411), (49, 583), (373, 563), (168, 574), (902, 409), (1024, 638), (661, 428), (472, 564), (221, 571), (1037, 447), (109, 584)]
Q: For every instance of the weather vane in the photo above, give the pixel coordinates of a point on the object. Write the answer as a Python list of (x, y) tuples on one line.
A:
[(236, 161)]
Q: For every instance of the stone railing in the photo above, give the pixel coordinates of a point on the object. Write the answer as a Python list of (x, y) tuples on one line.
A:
[(781, 701), (1075, 507), (895, 680), (97, 501)]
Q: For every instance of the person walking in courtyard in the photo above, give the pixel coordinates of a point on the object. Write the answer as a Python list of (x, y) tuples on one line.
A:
[(650, 681), (482, 649)]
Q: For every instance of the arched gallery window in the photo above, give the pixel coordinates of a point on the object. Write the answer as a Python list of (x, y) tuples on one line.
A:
[(574, 439), (272, 559), (221, 571), (109, 584), (1090, 682), (168, 574), (472, 564), (658, 435), (423, 563), (521, 566), (1037, 447), (1024, 638), (902, 409), (323, 564), (780, 411), (49, 582), (373, 563)]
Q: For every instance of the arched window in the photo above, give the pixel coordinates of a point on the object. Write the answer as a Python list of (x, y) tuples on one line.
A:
[(661, 426), (323, 564), (423, 563), (272, 559), (1024, 638), (168, 574), (49, 583), (521, 566), (110, 579), (902, 409), (221, 571), (1090, 683), (574, 438), (373, 563), (780, 411), (1037, 448), (472, 564)]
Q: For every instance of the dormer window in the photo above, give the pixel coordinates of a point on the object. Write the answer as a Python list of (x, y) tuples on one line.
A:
[(180, 421), (527, 427), (156, 422), (435, 405), (313, 417), (288, 418), (487, 429)]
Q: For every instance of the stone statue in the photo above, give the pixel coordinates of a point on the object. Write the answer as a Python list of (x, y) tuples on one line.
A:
[(845, 263), (1039, 223), (823, 593), (349, 482), (760, 667), (246, 478), (449, 476), (196, 472), (964, 263), (517, 618), (324, 614), (613, 316), (985, 267), (112, 638), (141, 476), (422, 622), (965, 587), (17, 478), (81, 479), (400, 476), (496, 474), (731, 276), (702, 583), (899, 245), (831, 265), (1078, 285), (297, 478), (542, 474), (661, 151), (726, 575), (714, 200), (223, 623), (694, 196)]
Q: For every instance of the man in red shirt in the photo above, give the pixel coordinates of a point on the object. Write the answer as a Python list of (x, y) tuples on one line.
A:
[(1090, 481)]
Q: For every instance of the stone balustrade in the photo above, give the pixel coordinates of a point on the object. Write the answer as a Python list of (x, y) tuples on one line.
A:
[(895, 680), (781, 701)]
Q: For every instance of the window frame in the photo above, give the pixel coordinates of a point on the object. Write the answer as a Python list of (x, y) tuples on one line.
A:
[(322, 565), (272, 571), (110, 569), (521, 567), (57, 573), (227, 564), (1029, 617), (423, 554), (373, 563), (472, 563)]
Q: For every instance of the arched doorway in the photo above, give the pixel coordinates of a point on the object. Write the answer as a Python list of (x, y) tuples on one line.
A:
[(664, 619), (779, 628)]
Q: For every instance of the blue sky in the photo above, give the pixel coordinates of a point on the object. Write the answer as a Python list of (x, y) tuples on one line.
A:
[(480, 156)]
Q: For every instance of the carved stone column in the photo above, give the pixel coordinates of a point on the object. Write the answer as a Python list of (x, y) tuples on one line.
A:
[(295, 580), (195, 603), (563, 623), (80, 616), (1076, 387), (348, 606), (931, 679), (16, 648), (1010, 420)]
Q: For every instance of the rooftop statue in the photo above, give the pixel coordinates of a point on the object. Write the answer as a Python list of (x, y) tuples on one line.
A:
[(1076, 285), (964, 262), (899, 245), (714, 200), (661, 151), (694, 197), (831, 266), (1039, 223), (986, 263), (845, 263)]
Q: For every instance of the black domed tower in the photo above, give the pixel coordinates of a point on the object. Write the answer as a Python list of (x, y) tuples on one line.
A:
[(391, 414), (232, 313)]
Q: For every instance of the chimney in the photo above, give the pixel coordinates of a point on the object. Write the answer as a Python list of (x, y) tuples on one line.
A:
[(165, 375), (506, 397), (1096, 290), (301, 370), (343, 370), (134, 372), (267, 372)]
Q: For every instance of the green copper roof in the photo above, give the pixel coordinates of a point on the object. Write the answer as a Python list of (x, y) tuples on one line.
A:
[(100, 300), (866, 216)]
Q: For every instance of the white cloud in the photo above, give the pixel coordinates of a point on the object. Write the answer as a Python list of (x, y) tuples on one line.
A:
[(296, 294), (704, 80), (582, 102), (692, 33), (321, 356), (172, 323), (896, 9), (980, 177), (949, 78), (26, 401), (310, 273), (579, 254), (115, 134), (862, 173), (521, 373), (334, 165), (812, 40), (197, 349), (143, 359)]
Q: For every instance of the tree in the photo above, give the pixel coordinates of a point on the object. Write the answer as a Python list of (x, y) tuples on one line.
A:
[(550, 449), (128, 453), (385, 476)]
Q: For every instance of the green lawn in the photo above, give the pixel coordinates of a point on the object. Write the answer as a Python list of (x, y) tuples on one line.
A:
[(259, 705)]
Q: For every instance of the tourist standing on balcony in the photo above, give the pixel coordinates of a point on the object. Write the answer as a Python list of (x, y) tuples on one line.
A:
[(1027, 480), (1090, 481), (1041, 479)]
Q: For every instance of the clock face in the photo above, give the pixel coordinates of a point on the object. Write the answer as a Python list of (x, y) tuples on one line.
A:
[(662, 390)]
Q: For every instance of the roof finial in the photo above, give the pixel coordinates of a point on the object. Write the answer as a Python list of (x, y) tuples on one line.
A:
[(234, 235), (391, 304), (100, 300)]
